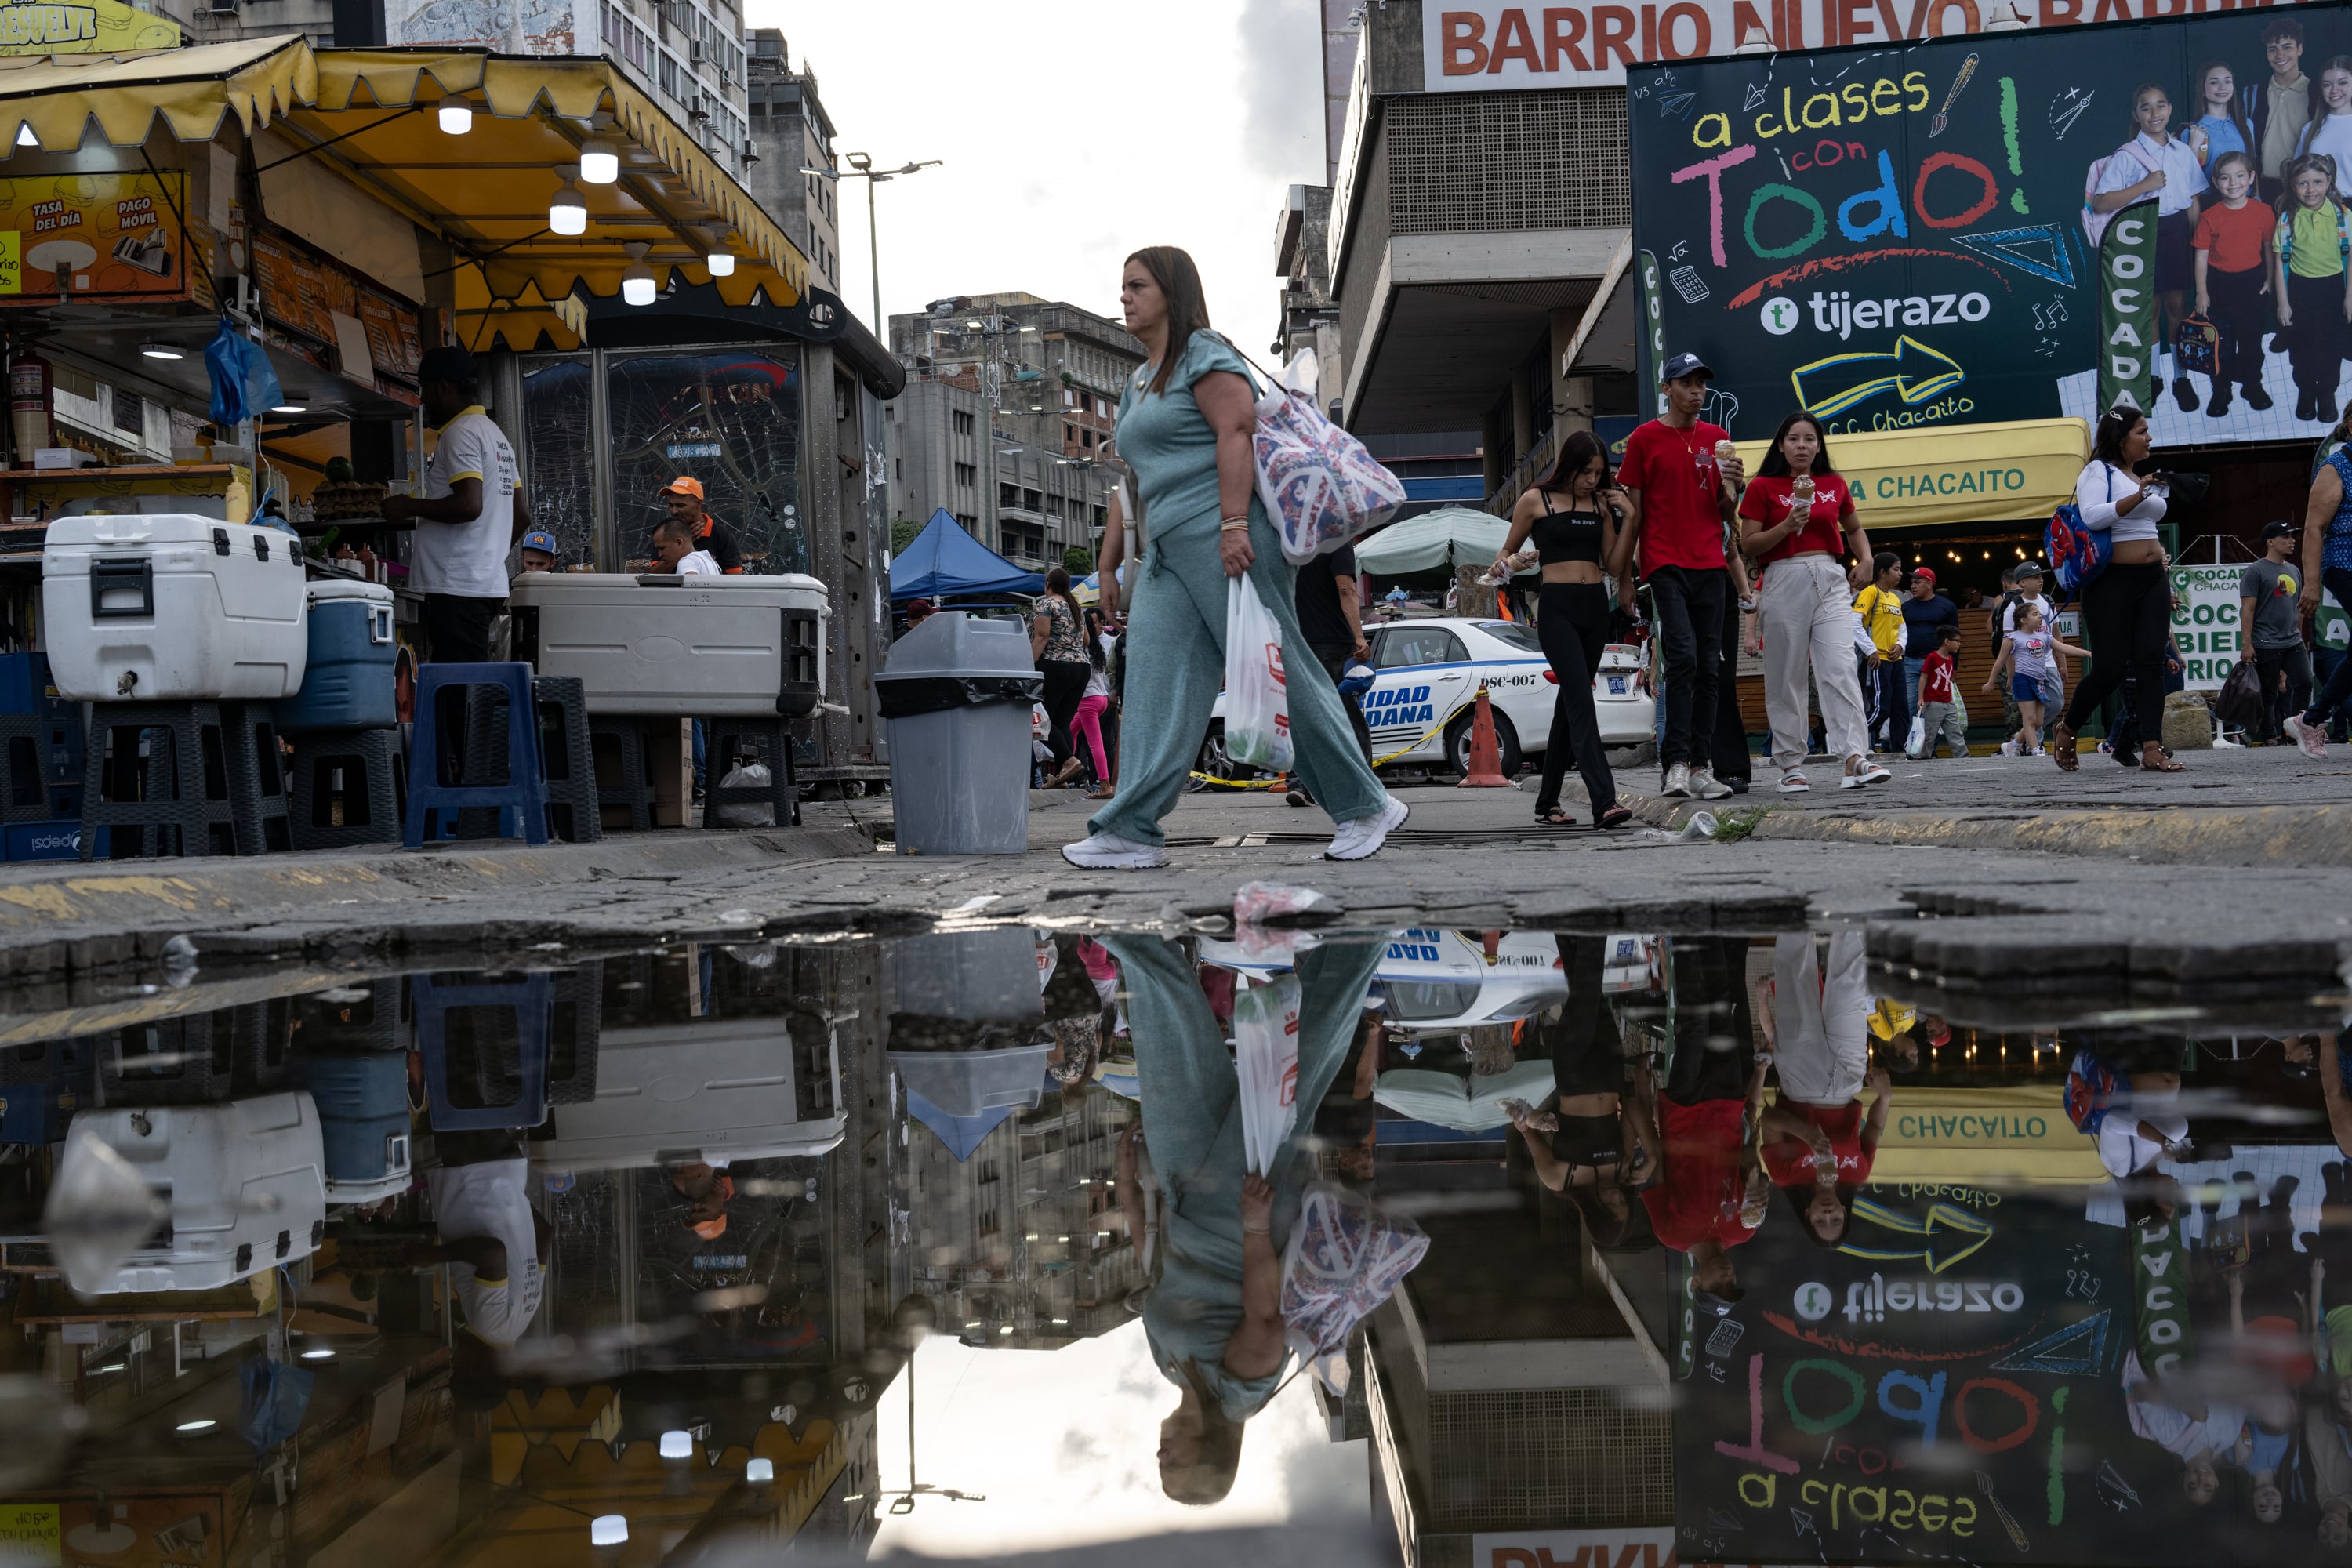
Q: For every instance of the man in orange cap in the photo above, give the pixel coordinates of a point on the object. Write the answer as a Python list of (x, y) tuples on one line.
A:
[(683, 496), (707, 1190)]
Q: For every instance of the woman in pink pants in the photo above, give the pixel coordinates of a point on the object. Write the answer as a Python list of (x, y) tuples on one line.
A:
[(1086, 724)]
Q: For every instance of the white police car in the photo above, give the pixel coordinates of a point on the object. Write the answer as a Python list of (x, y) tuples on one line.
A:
[(1437, 980), (1425, 694)]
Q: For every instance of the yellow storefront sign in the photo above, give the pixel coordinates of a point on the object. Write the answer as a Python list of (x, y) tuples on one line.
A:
[(2013, 1135), (1977, 473), (101, 26)]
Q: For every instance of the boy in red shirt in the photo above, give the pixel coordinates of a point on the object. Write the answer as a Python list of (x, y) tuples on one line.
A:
[(1708, 1191), (1944, 714), (2233, 256), (1684, 480)]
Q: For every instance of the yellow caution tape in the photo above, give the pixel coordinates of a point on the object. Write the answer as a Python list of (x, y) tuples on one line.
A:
[(1281, 781)]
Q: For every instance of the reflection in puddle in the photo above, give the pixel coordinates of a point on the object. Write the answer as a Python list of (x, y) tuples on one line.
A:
[(1740, 1248)]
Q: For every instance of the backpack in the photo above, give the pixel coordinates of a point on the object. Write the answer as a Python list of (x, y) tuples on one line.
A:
[(2077, 551), (2092, 1086), (2284, 236), (2095, 223)]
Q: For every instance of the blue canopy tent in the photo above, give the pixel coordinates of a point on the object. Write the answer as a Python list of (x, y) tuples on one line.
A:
[(961, 1134), (943, 561)]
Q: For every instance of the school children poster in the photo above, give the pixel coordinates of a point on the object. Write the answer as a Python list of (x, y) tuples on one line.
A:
[(1899, 238)]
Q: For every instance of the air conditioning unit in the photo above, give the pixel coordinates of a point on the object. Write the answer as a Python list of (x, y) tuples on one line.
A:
[(750, 152)]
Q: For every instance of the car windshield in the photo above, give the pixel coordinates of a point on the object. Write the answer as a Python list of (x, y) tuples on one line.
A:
[(1510, 634), (1418, 1001)]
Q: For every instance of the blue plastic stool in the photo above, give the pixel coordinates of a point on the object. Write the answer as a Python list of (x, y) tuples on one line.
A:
[(430, 787), (532, 1000)]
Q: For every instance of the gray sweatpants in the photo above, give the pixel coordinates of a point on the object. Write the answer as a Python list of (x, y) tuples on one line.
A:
[(1176, 663)]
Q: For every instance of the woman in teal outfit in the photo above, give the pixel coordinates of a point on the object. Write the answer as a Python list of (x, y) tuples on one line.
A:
[(1214, 1315), (1185, 424)]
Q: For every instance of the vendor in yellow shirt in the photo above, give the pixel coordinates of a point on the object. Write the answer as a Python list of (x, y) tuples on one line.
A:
[(1879, 605)]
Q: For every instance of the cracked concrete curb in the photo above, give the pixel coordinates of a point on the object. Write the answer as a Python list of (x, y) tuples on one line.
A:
[(2302, 836), (108, 914)]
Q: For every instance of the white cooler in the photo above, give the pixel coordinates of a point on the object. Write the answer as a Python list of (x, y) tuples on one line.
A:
[(245, 1182), (714, 1089), (172, 608), (741, 646)]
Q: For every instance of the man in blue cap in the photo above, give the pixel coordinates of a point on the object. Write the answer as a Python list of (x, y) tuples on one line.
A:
[(538, 551), (1685, 481)]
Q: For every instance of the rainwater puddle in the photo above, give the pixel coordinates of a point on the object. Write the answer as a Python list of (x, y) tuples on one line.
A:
[(1436, 1245)]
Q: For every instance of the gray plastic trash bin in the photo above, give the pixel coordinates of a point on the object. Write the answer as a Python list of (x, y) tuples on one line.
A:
[(957, 693)]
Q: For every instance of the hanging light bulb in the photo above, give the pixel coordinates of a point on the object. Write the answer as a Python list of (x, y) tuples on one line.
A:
[(600, 164), (637, 283), (720, 259), (567, 210), (456, 119)]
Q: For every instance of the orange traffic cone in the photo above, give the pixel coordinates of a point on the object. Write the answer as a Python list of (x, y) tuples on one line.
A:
[(1486, 757)]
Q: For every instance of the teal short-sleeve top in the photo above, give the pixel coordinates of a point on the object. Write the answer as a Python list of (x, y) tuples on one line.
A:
[(1164, 439)]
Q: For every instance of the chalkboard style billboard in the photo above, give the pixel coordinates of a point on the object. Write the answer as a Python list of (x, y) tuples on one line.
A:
[(2004, 227), (1995, 1378)]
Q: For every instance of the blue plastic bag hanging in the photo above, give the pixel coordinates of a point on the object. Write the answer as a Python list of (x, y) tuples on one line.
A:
[(274, 1396), (244, 386)]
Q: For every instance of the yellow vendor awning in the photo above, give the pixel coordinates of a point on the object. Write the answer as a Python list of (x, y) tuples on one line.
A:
[(367, 115), (2023, 470)]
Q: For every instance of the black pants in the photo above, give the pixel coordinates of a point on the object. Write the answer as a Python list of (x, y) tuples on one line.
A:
[(2337, 581), (2239, 316), (2292, 661), (2315, 345), (1066, 683), (1728, 740), (1689, 607), (1714, 1046), (458, 630), (1572, 624), (2126, 613), (1334, 661)]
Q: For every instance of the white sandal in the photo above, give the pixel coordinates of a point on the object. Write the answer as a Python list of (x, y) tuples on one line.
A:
[(1793, 782)]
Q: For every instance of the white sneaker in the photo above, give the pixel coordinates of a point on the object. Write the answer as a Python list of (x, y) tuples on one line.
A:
[(2009, 748), (1794, 783), (2312, 737), (1109, 852), (1706, 786), (1678, 781), (1362, 838)]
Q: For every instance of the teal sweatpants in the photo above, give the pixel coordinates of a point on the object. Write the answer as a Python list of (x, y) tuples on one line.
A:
[(1176, 665)]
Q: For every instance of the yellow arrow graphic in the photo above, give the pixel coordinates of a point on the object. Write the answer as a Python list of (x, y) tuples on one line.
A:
[(1914, 371), (1939, 1217)]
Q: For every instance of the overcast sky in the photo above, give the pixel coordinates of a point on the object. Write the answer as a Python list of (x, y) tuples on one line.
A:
[(1073, 131), (1063, 1445)]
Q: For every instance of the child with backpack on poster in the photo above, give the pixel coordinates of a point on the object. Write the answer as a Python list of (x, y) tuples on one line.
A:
[(2313, 284), (2234, 267)]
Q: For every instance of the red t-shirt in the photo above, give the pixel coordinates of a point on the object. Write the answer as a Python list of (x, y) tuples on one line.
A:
[(1767, 501), (2235, 238), (1677, 473), (1935, 677), (1791, 1163), (1699, 1196)]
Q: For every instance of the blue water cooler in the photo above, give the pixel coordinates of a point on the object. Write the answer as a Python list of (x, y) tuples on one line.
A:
[(348, 683), (362, 1103)]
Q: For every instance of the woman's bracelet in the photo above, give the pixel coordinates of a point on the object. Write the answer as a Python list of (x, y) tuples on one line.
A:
[(1257, 1230), (1235, 524)]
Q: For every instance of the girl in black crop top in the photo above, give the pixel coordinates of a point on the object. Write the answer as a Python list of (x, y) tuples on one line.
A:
[(1573, 514)]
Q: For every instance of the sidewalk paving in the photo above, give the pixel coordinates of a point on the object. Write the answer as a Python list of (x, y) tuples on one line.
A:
[(1467, 858)]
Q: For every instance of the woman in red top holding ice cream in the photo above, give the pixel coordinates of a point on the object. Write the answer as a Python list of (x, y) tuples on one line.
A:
[(1797, 522)]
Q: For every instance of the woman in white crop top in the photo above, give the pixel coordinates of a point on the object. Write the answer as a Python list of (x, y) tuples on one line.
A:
[(2127, 608)]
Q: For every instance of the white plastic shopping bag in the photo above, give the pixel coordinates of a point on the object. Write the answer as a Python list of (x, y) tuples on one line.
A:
[(1265, 1055), (1257, 708), (1346, 1256), (1917, 744), (743, 814)]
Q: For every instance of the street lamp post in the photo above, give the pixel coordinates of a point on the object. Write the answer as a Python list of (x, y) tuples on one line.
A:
[(861, 167)]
